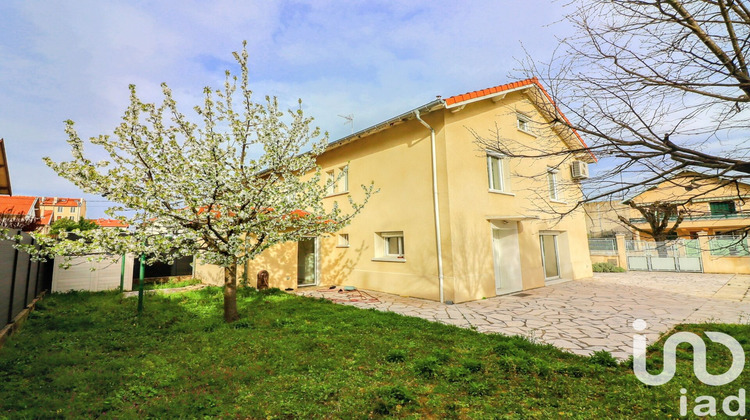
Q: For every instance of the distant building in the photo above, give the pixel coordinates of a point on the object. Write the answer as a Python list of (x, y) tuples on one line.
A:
[(19, 212), (110, 223), (63, 208), (602, 218)]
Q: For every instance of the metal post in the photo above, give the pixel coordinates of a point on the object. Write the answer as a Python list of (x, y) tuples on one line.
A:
[(140, 283), (12, 285), (122, 273), (28, 277)]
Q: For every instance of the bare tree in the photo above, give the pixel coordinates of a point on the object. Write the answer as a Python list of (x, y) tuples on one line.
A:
[(655, 87)]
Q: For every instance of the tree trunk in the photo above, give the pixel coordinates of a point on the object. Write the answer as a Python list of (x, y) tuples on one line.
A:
[(230, 294), (661, 245)]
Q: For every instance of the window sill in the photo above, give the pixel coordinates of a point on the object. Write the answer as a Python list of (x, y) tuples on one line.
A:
[(342, 246), (389, 259), (501, 192), (527, 132), (337, 194), (557, 201)]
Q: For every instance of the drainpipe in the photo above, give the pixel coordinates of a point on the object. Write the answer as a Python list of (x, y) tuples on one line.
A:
[(435, 205)]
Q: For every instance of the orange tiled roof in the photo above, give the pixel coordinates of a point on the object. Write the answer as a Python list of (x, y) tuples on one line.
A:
[(17, 205), (110, 223), (61, 201), (46, 218), (489, 91)]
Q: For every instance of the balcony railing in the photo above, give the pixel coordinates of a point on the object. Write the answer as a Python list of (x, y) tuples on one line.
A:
[(738, 215)]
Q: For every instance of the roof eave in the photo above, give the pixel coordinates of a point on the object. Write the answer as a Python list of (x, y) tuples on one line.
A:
[(406, 116)]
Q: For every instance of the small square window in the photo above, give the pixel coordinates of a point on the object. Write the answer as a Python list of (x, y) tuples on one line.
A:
[(343, 240), (393, 244)]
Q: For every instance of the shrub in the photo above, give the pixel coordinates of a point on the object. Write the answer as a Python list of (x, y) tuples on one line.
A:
[(605, 267), (395, 356), (472, 365), (389, 399), (426, 367), (603, 358)]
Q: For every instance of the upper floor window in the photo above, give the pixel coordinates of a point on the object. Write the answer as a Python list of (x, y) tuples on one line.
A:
[(523, 123), (721, 208), (344, 178), (337, 180), (59, 209), (496, 172), (553, 184), (331, 183), (72, 209)]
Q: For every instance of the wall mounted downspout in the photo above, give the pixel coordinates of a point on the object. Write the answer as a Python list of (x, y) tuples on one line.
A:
[(435, 205)]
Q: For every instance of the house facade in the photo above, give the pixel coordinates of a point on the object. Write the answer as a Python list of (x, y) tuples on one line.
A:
[(451, 221), (714, 206), (56, 208)]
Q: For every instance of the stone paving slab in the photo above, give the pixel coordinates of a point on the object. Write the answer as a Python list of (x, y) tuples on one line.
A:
[(581, 316)]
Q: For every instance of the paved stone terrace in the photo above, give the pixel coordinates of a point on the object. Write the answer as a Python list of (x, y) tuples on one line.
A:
[(581, 316)]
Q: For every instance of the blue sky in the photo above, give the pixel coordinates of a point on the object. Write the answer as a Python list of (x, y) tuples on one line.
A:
[(74, 60)]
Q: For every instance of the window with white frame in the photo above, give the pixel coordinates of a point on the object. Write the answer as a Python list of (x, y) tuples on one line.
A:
[(59, 209), (331, 182), (72, 209), (344, 178), (553, 184), (393, 244), (343, 240), (523, 122), (496, 172)]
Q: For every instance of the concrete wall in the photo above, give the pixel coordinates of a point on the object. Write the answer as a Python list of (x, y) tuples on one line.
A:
[(80, 276)]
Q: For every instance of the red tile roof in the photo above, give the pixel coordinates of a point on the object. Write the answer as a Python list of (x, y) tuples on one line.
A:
[(61, 201), (17, 205), (46, 218), (489, 91), (110, 223), (510, 86)]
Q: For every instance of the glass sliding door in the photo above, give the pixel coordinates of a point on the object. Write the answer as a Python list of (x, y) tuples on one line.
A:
[(307, 262), (550, 259)]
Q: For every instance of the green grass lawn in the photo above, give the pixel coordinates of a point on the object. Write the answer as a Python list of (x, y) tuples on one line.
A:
[(172, 283), (85, 355)]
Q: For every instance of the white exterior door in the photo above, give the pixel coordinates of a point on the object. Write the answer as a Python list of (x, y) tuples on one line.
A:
[(507, 258)]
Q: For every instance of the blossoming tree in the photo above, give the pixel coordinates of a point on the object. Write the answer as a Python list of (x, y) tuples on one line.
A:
[(224, 189)]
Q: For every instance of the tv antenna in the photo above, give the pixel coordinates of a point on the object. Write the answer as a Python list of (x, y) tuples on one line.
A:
[(349, 120)]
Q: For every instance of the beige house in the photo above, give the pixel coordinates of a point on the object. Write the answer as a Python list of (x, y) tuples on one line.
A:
[(602, 221), (56, 208), (452, 221), (714, 206)]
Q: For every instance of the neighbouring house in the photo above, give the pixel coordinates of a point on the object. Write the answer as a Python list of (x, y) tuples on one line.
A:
[(482, 232), (20, 212), (713, 206), (110, 223), (602, 221), (64, 208)]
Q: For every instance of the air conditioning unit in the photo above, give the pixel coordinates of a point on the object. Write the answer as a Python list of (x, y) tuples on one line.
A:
[(579, 169)]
